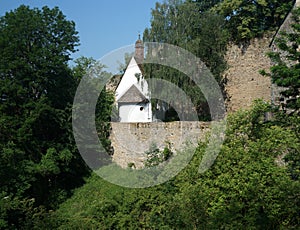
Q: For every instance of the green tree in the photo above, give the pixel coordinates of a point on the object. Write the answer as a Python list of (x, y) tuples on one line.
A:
[(104, 107), (246, 187), (248, 19), (285, 71), (190, 26), (38, 158)]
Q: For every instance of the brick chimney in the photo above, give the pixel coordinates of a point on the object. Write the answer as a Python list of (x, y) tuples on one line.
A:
[(139, 51)]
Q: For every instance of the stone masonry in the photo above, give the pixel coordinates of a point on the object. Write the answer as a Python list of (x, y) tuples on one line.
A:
[(130, 141), (244, 83)]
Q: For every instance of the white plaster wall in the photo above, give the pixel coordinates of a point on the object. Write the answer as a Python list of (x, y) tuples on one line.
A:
[(132, 113), (128, 78)]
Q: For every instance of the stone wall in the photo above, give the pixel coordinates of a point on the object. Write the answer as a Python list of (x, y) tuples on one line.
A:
[(277, 97), (244, 83), (131, 140)]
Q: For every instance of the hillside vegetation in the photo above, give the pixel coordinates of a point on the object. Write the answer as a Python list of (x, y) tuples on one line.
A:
[(45, 184), (253, 184)]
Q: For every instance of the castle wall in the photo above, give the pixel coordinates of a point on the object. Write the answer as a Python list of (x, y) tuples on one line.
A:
[(131, 140), (244, 82), (277, 97)]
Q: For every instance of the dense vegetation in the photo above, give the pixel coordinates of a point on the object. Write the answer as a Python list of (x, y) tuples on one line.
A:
[(191, 26), (254, 182), (249, 19), (250, 186), (40, 164), (204, 28), (285, 72)]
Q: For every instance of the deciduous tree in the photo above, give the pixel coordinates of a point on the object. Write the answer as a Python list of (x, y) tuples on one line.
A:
[(286, 69), (38, 158)]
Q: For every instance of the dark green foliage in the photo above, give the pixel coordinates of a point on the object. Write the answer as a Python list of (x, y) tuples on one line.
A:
[(253, 184), (106, 206), (246, 188), (171, 115), (189, 26), (39, 162), (104, 111), (285, 73), (292, 157), (166, 153), (156, 156), (286, 69), (249, 19), (34, 44), (18, 213), (104, 106), (153, 156), (204, 5)]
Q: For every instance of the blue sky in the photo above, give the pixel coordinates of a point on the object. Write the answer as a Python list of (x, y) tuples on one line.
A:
[(103, 25)]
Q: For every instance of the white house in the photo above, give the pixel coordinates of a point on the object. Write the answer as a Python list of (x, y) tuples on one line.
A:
[(132, 94)]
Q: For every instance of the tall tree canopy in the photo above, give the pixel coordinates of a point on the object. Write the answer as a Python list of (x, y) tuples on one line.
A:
[(38, 160), (191, 26), (249, 19)]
